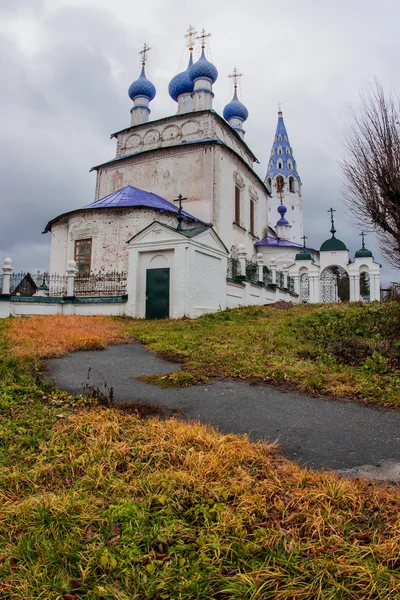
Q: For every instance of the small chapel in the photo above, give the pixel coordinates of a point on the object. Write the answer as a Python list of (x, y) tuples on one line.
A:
[(182, 211)]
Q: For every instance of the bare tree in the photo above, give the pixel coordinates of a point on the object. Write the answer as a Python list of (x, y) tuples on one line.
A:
[(371, 169)]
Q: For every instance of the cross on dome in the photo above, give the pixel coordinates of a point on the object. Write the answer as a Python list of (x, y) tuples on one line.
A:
[(179, 214), (362, 234), (189, 35), (333, 230), (235, 76), (279, 108), (203, 36), (304, 238), (144, 53)]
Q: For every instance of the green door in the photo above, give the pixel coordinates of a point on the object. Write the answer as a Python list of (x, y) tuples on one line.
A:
[(157, 293)]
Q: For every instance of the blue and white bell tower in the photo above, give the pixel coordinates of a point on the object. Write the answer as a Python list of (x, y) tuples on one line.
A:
[(284, 182)]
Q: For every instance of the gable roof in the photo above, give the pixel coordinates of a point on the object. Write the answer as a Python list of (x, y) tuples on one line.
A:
[(129, 197), (190, 232)]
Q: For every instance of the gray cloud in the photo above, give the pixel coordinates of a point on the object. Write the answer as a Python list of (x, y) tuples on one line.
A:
[(66, 68)]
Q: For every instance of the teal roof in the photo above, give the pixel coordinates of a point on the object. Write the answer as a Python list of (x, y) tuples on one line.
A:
[(363, 253), (332, 244), (303, 255)]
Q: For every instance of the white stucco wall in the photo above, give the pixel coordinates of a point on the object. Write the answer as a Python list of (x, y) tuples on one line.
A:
[(109, 230)]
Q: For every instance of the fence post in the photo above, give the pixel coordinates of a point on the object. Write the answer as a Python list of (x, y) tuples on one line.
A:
[(7, 271), (260, 267), (242, 254), (285, 276), (71, 274), (272, 265)]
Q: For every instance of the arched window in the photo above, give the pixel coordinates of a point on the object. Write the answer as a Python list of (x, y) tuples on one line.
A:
[(279, 165), (291, 184), (289, 165), (287, 150), (272, 151), (279, 150), (270, 166), (269, 182), (285, 138), (279, 138), (279, 183)]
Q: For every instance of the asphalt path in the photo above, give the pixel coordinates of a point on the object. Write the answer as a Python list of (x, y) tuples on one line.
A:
[(317, 432)]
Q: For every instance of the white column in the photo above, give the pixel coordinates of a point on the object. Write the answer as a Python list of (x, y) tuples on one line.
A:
[(260, 265), (7, 271), (242, 255), (273, 270), (285, 276), (71, 274)]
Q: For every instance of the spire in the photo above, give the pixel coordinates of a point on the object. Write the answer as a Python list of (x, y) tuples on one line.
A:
[(281, 161)]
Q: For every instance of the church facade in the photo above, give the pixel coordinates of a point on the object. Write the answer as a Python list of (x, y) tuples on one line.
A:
[(178, 250)]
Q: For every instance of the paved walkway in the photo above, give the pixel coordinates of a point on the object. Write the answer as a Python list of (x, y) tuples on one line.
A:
[(319, 433)]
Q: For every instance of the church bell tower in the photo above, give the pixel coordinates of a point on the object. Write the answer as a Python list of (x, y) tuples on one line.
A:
[(284, 183)]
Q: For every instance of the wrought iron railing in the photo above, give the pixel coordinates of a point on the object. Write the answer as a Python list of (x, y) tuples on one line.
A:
[(280, 279), (267, 276), (112, 283), (233, 270), (252, 271), (290, 284)]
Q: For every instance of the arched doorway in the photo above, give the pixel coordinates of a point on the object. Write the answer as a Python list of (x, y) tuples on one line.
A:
[(304, 288), (335, 284), (365, 288)]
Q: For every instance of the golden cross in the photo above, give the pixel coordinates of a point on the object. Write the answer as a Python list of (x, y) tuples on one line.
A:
[(279, 107), (144, 53), (191, 32), (235, 76), (203, 37)]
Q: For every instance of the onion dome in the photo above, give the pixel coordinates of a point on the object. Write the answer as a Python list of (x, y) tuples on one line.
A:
[(142, 87), (181, 83), (203, 69), (235, 109), (303, 255), (332, 244), (363, 253), (282, 210)]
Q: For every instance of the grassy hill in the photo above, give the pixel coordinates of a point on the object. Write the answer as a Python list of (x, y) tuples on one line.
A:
[(99, 503)]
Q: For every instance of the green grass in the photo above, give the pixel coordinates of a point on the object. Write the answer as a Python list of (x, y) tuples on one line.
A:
[(347, 351), (97, 503)]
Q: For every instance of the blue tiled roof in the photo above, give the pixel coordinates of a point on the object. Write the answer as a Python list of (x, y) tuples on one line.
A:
[(181, 83), (203, 69), (235, 109), (281, 140), (132, 196), (270, 241), (142, 87)]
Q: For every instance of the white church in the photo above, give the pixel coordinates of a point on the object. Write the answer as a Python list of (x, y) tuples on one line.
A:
[(181, 211)]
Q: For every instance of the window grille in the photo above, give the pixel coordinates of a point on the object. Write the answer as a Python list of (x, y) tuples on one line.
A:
[(83, 256)]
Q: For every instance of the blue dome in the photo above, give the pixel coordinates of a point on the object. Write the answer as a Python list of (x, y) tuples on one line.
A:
[(181, 83), (235, 109), (142, 87), (282, 210), (203, 68)]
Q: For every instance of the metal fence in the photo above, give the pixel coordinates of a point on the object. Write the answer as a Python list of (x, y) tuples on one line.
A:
[(112, 283), (233, 270), (267, 276), (290, 284), (280, 279), (252, 271)]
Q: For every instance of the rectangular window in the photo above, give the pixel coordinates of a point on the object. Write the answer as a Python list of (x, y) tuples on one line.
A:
[(83, 256), (237, 205), (252, 220)]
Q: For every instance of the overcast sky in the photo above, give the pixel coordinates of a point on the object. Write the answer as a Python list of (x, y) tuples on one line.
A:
[(66, 66)]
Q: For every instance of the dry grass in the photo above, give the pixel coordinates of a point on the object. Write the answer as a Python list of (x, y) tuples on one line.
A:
[(116, 507), (51, 336), (99, 504)]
